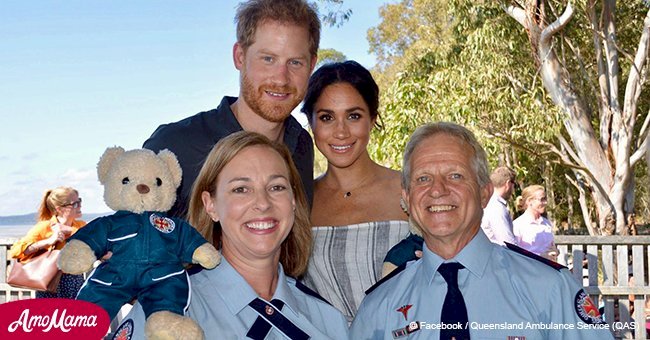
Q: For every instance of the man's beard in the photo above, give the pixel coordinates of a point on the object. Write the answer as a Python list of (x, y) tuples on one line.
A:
[(277, 112)]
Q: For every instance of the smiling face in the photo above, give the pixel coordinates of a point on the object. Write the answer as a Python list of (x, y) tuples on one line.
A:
[(274, 69), (254, 203), (537, 202), (341, 124), (444, 197), (72, 209)]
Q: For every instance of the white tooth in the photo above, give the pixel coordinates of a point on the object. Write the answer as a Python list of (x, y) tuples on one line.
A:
[(439, 208), (260, 225), (275, 94), (335, 147)]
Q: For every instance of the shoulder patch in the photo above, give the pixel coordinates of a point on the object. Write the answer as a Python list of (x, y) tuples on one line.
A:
[(125, 331), (392, 274), (534, 256), (586, 310), (301, 286)]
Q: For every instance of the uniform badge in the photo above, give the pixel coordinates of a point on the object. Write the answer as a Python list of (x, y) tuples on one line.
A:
[(125, 331), (586, 309), (405, 311), (162, 224), (410, 328)]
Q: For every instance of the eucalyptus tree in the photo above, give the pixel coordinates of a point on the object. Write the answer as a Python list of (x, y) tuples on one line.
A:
[(592, 60), (567, 89)]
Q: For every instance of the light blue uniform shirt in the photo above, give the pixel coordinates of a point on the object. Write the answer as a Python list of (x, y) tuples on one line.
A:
[(501, 288), (220, 305)]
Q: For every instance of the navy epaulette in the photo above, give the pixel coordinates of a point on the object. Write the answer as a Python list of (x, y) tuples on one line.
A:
[(310, 292), (194, 269), (534, 256), (387, 277)]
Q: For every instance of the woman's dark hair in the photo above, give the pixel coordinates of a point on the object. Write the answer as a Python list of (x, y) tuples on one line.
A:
[(349, 72)]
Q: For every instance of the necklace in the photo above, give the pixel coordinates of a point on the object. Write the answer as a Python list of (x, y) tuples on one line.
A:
[(349, 192)]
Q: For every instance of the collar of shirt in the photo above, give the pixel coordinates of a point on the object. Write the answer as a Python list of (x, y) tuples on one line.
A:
[(237, 293), (227, 121), (500, 199), (528, 218), (474, 256)]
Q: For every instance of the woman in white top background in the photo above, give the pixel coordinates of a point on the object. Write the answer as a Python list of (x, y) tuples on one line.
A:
[(356, 214), (533, 231)]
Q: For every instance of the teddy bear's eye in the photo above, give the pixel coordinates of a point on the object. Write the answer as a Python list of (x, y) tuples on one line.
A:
[(125, 180), (158, 181)]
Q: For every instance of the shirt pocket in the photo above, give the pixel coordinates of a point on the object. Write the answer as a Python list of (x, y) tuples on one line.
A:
[(126, 240)]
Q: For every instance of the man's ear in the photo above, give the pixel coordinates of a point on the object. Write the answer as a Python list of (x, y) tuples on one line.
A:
[(238, 55), (312, 65), (209, 206), (405, 199), (486, 193)]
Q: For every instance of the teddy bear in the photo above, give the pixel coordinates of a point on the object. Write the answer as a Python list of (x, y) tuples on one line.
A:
[(408, 249), (149, 249)]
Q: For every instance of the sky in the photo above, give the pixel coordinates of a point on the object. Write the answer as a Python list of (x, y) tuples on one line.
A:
[(79, 76)]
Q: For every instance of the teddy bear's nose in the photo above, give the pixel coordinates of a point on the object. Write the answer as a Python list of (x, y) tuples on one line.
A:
[(143, 189)]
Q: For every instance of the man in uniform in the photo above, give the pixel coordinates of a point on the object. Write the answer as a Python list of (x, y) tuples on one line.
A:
[(275, 53), (497, 222), (466, 286)]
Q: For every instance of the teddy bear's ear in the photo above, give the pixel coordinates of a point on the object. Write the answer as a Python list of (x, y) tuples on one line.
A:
[(172, 163), (106, 161)]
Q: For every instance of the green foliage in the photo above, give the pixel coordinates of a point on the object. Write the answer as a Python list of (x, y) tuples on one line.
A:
[(478, 72), (329, 55)]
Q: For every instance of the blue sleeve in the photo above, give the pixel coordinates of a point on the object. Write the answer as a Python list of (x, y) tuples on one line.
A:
[(368, 323), (571, 305), (132, 326), (404, 251), (189, 240), (95, 235)]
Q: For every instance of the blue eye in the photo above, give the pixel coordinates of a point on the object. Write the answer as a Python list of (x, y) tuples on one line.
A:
[(456, 176), (422, 179)]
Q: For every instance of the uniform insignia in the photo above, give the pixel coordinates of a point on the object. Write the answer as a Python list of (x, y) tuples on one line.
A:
[(586, 309), (162, 224), (534, 256), (410, 328), (405, 311), (125, 331)]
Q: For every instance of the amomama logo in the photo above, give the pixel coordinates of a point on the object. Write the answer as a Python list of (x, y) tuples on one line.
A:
[(52, 319)]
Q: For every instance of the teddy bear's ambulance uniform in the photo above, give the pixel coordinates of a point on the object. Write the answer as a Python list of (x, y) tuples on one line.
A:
[(149, 250)]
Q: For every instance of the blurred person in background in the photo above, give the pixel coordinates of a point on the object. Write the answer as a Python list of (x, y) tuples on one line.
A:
[(57, 216), (497, 222), (533, 231)]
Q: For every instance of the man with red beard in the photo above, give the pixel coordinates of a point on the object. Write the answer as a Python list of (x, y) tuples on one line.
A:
[(275, 52)]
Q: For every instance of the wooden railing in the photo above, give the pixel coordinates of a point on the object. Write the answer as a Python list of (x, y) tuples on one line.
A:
[(614, 273)]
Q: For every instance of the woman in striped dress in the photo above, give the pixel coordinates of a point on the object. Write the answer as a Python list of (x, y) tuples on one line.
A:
[(356, 215)]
